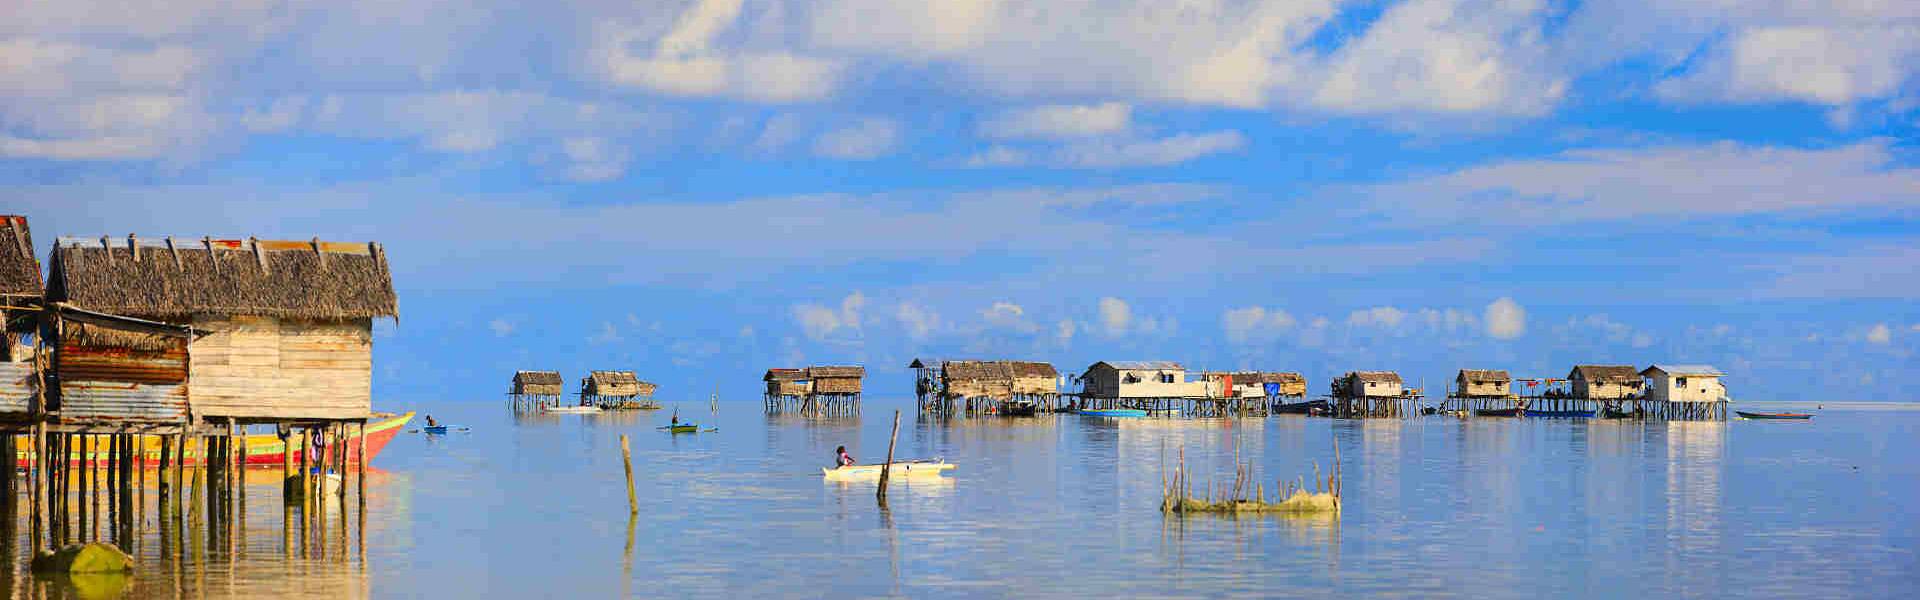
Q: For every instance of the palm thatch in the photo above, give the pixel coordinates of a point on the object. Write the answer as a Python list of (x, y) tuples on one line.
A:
[(1606, 373), (967, 370), (176, 280), (615, 384), (538, 383), (19, 270), (836, 379)]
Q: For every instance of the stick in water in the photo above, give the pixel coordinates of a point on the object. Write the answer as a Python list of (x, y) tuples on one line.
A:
[(888, 466), (626, 457)]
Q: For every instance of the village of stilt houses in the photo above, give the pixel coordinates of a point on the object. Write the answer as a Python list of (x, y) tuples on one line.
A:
[(172, 366)]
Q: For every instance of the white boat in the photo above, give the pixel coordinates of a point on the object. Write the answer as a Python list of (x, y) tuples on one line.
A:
[(910, 468), (572, 409)]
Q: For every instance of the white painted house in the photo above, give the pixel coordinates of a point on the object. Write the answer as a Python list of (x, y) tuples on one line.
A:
[(1684, 383)]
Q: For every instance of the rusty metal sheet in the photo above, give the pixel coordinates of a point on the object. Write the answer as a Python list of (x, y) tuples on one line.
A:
[(88, 363), (16, 386), (123, 401)]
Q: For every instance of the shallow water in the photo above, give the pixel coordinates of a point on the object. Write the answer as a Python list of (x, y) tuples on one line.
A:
[(1068, 506)]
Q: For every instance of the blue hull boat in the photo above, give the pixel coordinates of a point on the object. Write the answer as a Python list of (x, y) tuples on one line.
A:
[(1561, 414), (435, 429), (1115, 412)]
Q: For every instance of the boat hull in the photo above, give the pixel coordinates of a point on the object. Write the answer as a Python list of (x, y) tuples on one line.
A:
[(1497, 412), (900, 469), (684, 429), (1303, 408), (1561, 414), (1115, 412), (1774, 416), (262, 448)]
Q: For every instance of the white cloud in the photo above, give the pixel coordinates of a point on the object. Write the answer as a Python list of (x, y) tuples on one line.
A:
[(820, 323), (500, 327), (919, 322), (1642, 340), (1380, 316), (1059, 121), (1063, 331), (686, 61), (1254, 323), (867, 139), (1447, 56), (1505, 319), (1008, 316), (593, 159), (998, 156), (1170, 150), (780, 131), (1116, 317), (1880, 334), (1874, 271), (1828, 64)]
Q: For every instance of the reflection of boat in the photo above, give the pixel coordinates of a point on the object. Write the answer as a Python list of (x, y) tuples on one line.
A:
[(569, 410), (1560, 414), (1498, 412), (1114, 412), (1785, 416), (262, 448), (910, 468), (1303, 408)]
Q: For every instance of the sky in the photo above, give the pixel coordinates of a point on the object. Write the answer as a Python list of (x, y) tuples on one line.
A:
[(699, 190)]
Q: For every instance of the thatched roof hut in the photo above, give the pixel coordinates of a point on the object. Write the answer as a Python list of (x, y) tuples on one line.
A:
[(1368, 384), (615, 384), (538, 383), (284, 327), (1605, 382), (1475, 383), (174, 280), (836, 379), (999, 379), (787, 382)]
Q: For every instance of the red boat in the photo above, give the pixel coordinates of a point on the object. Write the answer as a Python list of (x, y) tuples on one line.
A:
[(1779, 415), (262, 448)]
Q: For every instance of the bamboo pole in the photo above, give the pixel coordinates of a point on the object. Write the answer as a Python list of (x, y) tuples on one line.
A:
[(626, 458), (887, 468)]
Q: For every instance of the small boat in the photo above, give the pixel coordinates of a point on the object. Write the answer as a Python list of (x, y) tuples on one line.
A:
[(909, 468), (1303, 408), (1782, 416), (682, 428), (1114, 412), (1560, 414), (1614, 413), (572, 410), (1498, 412), (434, 430), (1017, 409)]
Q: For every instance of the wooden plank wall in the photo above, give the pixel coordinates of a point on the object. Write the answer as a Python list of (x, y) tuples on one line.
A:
[(264, 367)]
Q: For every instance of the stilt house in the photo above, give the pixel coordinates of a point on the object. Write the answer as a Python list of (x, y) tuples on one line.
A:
[(19, 289), (611, 387), (281, 331), (1368, 384), (1483, 383), (836, 380), (1140, 379), (1604, 382), (1684, 383), (1002, 380), (1255, 384), (538, 384), (787, 383)]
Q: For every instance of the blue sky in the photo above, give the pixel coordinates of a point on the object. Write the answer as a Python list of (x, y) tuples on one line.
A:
[(700, 190)]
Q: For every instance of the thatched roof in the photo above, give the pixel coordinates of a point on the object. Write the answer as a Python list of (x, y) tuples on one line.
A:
[(612, 378), (177, 279), (19, 270), (1376, 376), (1605, 373), (785, 375), (997, 369), (1253, 377), (538, 378), (1484, 376), (836, 372)]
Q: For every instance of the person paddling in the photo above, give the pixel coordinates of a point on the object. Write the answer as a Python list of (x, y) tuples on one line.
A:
[(842, 458)]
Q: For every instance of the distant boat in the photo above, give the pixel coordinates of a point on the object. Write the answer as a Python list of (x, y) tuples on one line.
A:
[(910, 468), (435, 429), (683, 428), (1303, 408), (572, 410), (1498, 412), (1783, 416), (1560, 414), (1114, 412)]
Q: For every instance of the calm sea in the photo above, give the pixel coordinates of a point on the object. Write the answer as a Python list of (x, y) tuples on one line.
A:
[(1066, 506)]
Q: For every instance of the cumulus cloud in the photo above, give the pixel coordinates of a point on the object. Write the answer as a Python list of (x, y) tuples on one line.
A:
[(687, 61), (1505, 319), (1254, 323), (1448, 56), (1880, 334), (500, 327), (1008, 316), (1059, 121), (919, 321), (1380, 316), (1063, 331), (1116, 317), (1828, 64), (866, 139), (820, 323)]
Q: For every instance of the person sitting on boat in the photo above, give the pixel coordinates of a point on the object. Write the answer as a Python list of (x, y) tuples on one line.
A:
[(431, 422), (842, 458)]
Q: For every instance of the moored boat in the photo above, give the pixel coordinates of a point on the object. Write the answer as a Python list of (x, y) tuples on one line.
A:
[(1114, 412), (434, 429), (1781, 416), (1498, 412), (262, 448), (682, 428), (1303, 408), (570, 410), (1560, 414), (909, 468)]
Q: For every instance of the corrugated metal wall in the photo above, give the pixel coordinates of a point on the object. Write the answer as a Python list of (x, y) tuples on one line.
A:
[(123, 384), (16, 387)]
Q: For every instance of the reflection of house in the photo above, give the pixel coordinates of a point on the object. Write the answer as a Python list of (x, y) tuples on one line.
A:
[(1684, 383), (1255, 384), (1604, 382), (1140, 379), (1368, 384), (1483, 383)]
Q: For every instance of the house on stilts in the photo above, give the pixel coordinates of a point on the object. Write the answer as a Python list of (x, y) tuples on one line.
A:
[(1243, 393), (533, 390), (20, 291), (1003, 387), (1373, 394), (1685, 391), (1150, 385), (816, 390), (617, 390)]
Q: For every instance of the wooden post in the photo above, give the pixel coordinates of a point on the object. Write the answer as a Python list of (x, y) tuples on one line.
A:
[(626, 457), (35, 477), (887, 468), (360, 447)]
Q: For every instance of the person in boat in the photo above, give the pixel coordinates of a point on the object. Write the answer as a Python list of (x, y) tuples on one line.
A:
[(841, 458), (431, 422)]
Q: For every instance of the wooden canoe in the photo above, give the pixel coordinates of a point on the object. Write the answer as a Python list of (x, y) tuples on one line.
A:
[(262, 448), (1561, 414), (1498, 412), (1783, 416), (1114, 412), (682, 428), (912, 468)]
